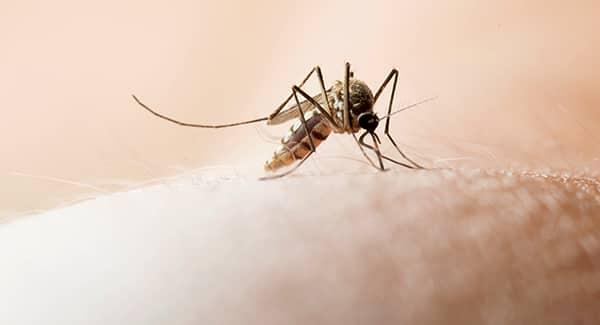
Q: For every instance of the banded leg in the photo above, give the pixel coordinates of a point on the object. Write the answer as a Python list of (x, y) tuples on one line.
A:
[(310, 142), (393, 74)]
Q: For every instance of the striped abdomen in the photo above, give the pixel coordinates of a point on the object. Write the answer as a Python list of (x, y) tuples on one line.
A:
[(295, 145)]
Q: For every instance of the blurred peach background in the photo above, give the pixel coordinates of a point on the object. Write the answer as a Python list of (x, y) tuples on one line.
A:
[(516, 83)]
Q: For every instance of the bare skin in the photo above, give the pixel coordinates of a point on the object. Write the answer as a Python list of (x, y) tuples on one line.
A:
[(424, 247), (438, 247)]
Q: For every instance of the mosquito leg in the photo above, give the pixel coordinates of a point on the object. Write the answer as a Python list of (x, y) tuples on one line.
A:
[(376, 143), (324, 91), (317, 106), (316, 69), (361, 140), (360, 146), (347, 97), (402, 153), (281, 115), (287, 100), (310, 142), (392, 75), (304, 125), (386, 157)]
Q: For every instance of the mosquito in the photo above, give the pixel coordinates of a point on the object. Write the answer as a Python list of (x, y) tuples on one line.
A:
[(345, 107)]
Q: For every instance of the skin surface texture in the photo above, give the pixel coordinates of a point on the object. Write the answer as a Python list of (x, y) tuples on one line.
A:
[(425, 247)]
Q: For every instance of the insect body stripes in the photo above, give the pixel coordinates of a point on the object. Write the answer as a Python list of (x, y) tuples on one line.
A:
[(295, 145)]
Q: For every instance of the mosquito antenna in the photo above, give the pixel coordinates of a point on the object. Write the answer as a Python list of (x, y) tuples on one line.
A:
[(409, 107), (218, 126)]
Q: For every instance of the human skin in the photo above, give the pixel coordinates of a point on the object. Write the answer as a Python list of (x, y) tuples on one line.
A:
[(502, 228), (425, 247)]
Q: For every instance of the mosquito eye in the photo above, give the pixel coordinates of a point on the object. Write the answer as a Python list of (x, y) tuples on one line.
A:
[(368, 121)]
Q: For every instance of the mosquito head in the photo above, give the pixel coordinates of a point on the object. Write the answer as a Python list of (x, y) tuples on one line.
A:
[(368, 121)]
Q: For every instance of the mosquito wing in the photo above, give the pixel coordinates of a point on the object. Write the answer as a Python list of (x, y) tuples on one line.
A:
[(291, 112)]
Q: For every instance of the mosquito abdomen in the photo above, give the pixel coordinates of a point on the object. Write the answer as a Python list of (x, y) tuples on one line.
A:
[(295, 145)]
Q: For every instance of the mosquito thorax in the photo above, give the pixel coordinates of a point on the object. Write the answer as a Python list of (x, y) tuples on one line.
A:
[(361, 100)]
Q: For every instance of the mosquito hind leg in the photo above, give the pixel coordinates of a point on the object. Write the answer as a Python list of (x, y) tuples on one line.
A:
[(287, 100), (316, 69), (318, 106)]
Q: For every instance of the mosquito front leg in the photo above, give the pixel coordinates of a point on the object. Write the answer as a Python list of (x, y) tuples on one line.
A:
[(393, 74)]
